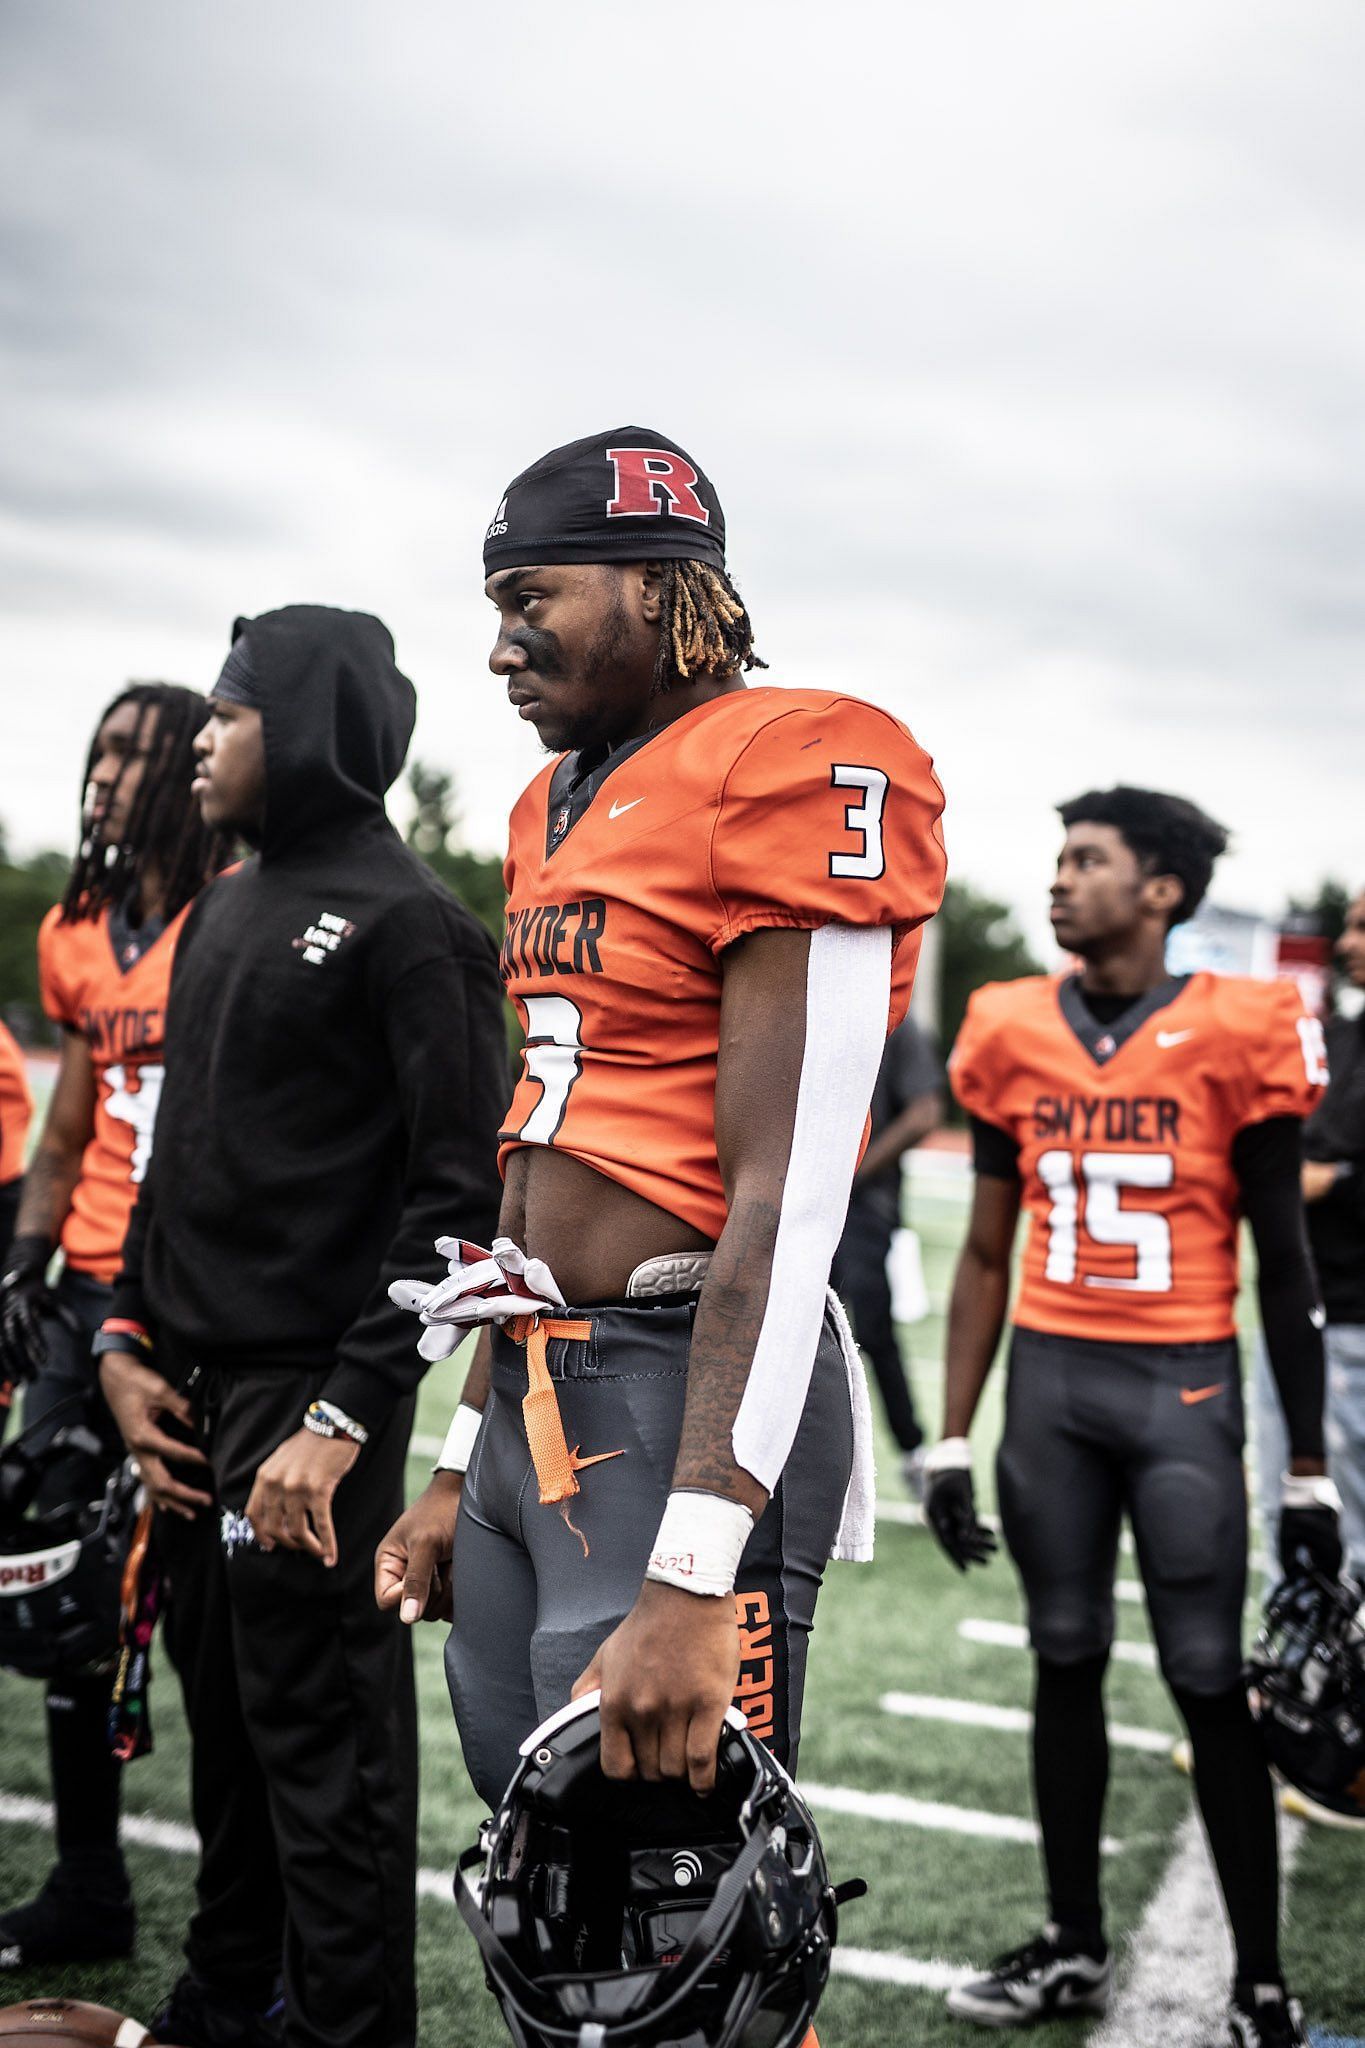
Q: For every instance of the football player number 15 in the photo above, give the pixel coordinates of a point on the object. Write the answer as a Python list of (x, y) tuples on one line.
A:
[(1102, 1177)]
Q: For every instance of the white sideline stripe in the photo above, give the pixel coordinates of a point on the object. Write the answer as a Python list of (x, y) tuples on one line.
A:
[(884, 1966), (878, 1966), (926, 1813), (1008, 1635), (1174, 1986), (922, 1706), (142, 1828)]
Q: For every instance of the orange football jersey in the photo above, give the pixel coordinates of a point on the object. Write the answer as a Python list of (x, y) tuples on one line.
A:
[(1125, 1145), (120, 1012), (16, 1108), (765, 807)]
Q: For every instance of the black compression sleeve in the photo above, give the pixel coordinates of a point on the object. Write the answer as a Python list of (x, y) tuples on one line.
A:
[(1266, 1159), (994, 1152)]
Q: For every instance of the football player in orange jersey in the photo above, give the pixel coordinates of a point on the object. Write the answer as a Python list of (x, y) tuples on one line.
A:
[(104, 960), (1135, 1115), (714, 901), (16, 1112)]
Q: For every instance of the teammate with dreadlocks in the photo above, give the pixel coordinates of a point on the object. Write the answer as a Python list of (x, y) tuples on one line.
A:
[(714, 902), (104, 959)]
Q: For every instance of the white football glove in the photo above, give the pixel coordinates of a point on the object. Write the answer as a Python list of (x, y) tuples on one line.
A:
[(480, 1287)]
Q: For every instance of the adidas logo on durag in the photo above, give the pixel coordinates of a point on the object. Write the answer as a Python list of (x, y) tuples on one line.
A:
[(499, 523)]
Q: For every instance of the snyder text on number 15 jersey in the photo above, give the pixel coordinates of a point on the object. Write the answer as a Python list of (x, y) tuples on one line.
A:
[(1125, 1141), (761, 808)]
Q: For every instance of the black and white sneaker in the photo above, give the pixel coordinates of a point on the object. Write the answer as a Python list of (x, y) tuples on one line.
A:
[(1045, 1979), (70, 1921), (1261, 2016)]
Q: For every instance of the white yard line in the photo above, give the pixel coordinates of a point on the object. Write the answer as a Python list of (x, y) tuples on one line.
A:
[(919, 1706), (878, 1966), (901, 1811), (1174, 1980), (1008, 1635), (884, 1966)]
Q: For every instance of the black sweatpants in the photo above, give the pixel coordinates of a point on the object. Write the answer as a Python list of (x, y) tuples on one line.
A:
[(303, 1717), (860, 1280), (532, 1605)]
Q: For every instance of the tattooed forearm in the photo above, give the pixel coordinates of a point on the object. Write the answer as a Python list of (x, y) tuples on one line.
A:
[(49, 1180), (729, 1317)]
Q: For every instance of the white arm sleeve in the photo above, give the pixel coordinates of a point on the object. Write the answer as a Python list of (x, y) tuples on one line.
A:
[(848, 995)]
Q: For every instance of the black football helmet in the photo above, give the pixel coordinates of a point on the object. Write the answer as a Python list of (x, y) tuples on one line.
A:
[(624, 1915), (67, 1507), (1306, 1680)]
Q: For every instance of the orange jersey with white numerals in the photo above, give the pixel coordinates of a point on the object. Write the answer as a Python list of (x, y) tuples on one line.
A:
[(1125, 1141), (16, 1108), (120, 1012), (762, 808)]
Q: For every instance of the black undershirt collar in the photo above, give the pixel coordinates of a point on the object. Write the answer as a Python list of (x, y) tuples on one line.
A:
[(1104, 1023)]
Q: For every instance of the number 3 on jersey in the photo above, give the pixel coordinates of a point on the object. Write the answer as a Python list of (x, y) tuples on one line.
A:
[(868, 864), (554, 1041), (1103, 1176)]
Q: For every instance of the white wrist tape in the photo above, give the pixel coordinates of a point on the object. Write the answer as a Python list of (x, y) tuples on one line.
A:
[(954, 1454), (458, 1448), (1309, 1490), (699, 1544)]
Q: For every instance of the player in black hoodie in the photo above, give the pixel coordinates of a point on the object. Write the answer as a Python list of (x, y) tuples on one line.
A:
[(335, 1071)]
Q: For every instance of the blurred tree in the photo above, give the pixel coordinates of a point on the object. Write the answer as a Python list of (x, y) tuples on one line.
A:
[(434, 833), (1323, 913), (979, 941), (28, 889)]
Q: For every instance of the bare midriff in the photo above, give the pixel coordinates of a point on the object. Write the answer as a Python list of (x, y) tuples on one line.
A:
[(591, 1232)]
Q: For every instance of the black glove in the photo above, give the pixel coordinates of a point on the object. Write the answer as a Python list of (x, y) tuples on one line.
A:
[(950, 1504), (25, 1303), (1310, 1529)]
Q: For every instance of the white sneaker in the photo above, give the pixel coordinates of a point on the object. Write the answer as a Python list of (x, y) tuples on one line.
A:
[(1037, 1981)]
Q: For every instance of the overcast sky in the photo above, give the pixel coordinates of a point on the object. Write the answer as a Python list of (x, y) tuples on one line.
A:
[(1024, 345)]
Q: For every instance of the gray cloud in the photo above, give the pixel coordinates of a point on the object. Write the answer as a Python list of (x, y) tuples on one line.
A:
[(1024, 345)]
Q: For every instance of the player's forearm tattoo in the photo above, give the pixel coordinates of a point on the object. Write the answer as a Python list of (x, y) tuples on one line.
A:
[(48, 1184), (729, 1318)]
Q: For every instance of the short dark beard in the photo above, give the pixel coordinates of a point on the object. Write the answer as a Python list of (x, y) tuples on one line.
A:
[(601, 655)]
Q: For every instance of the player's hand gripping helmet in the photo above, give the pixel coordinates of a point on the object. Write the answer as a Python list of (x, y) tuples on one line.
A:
[(625, 1915), (66, 1515), (1306, 1676)]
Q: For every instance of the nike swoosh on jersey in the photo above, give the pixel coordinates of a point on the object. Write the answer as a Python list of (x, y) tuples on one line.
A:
[(619, 810), (1173, 1037), (1190, 1395)]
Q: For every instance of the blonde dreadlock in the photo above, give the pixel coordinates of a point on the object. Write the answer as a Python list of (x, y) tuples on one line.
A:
[(704, 629)]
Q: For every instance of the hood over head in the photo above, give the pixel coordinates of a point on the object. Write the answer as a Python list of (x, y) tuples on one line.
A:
[(337, 714)]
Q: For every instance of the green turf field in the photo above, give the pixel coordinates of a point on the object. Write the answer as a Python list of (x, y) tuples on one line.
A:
[(936, 1892)]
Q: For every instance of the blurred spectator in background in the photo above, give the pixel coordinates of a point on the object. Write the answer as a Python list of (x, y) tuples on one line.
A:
[(906, 1105), (1334, 1194), (16, 1109)]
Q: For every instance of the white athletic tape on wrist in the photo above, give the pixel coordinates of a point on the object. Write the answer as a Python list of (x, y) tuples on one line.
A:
[(954, 1454), (1309, 1490), (458, 1448), (700, 1541)]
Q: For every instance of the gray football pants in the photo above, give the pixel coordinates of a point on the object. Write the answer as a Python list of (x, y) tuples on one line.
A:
[(1156, 1430), (531, 1607)]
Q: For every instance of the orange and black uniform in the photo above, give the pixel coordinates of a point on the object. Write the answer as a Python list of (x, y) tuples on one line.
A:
[(16, 1113), (628, 876), (1139, 1133), (108, 984), (1133, 1138)]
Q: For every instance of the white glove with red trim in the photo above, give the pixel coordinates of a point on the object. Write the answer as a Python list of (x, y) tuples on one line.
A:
[(481, 1287)]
